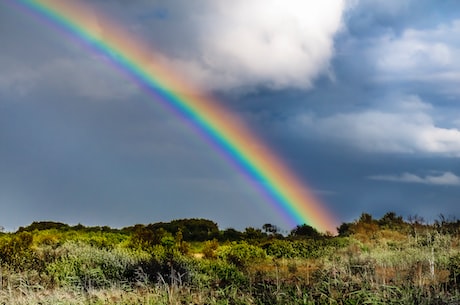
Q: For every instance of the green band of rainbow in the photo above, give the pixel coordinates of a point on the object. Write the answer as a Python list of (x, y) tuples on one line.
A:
[(285, 192)]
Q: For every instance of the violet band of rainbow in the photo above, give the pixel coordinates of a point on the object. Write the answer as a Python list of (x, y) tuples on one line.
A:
[(290, 197)]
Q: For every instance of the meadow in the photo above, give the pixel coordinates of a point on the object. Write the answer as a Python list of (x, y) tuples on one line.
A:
[(191, 261)]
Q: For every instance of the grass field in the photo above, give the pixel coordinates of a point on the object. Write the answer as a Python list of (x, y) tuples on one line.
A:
[(370, 262)]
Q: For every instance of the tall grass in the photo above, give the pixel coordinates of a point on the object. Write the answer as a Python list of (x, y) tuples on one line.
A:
[(72, 268)]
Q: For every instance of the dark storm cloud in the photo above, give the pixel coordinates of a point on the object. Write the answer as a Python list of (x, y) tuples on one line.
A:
[(284, 45), (368, 19), (388, 109), (366, 115)]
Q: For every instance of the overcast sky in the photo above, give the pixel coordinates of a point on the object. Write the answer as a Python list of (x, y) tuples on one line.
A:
[(360, 98)]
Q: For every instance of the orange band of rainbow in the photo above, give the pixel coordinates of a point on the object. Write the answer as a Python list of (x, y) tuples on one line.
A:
[(286, 193)]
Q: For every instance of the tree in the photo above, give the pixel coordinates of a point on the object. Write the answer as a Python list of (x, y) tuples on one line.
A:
[(366, 227), (305, 231), (366, 218), (231, 234), (192, 229), (345, 229), (251, 233), (44, 225), (270, 229), (391, 221)]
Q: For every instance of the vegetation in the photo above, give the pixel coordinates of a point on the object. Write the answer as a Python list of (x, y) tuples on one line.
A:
[(190, 261)]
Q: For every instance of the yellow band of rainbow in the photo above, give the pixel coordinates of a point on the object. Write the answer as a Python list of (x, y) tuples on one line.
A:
[(286, 193)]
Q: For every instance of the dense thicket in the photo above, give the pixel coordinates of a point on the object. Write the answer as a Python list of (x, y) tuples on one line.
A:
[(390, 260)]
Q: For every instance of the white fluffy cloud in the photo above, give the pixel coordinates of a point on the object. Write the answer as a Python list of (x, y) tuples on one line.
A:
[(405, 127), (216, 44), (446, 178), (244, 43), (428, 56)]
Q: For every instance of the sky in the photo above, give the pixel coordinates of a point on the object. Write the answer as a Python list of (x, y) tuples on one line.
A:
[(359, 98)]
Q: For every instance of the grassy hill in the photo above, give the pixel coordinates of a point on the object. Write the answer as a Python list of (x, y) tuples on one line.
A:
[(191, 261)]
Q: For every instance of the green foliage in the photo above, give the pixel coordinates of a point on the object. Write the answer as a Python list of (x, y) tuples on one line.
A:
[(454, 268), (270, 229), (143, 237), (303, 248), (218, 273), (381, 261), (83, 265), (305, 231), (231, 235), (16, 251), (280, 249), (210, 249), (192, 229), (195, 229), (181, 245), (44, 225), (391, 221), (253, 234), (345, 229), (241, 254)]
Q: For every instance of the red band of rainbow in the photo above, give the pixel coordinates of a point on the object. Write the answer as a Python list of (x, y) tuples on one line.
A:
[(285, 192)]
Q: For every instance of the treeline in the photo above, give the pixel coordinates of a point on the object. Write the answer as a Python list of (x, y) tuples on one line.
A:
[(198, 230), (366, 225), (191, 230)]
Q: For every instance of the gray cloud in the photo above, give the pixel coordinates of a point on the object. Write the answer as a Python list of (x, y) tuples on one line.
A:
[(339, 93), (428, 56), (250, 43), (381, 7), (257, 43), (406, 126), (446, 178), (85, 76)]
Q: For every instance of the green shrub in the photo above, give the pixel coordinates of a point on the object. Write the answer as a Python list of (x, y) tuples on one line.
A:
[(210, 248), (16, 251), (301, 248), (454, 268), (280, 249), (241, 254), (217, 273), (83, 265)]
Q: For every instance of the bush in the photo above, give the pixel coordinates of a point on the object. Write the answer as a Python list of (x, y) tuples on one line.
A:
[(217, 273), (280, 249), (241, 254), (302, 248), (210, 248), (85, 266), (454, 268), (16, 251)]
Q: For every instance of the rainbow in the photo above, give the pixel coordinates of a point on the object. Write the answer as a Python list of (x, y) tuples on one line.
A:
[(285, 192)]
